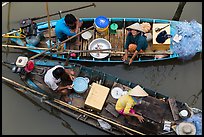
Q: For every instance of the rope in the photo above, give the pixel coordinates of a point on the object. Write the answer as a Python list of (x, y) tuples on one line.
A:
[(195, 98)]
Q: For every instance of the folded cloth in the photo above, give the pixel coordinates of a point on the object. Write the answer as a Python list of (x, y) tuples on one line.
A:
[(162, 36)]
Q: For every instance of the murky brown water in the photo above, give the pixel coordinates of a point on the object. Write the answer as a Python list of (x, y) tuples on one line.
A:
[(173, 78)]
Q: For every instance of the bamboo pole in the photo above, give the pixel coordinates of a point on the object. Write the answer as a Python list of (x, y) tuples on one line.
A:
[(91, 51), (36, 18), (37, 55), (48, 19), (21, 47), (114, 52), (97, 116), (22, 86), (72, 107)]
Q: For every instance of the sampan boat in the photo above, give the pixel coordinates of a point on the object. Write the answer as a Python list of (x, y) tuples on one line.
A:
[(186, 40), (93, 102)]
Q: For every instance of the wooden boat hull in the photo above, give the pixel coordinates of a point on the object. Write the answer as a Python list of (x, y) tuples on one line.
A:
[(117, 41), (163, 107)]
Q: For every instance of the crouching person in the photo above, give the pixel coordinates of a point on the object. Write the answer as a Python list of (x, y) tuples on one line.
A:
[(60, 81), (125, 103)]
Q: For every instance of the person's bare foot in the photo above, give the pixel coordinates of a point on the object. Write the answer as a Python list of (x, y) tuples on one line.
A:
[(66, 99)]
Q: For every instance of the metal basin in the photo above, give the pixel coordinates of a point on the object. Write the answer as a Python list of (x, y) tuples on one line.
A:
[(80, 84), (98, 44)]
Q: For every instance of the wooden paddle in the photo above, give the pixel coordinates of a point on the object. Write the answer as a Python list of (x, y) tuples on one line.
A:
[(37, 55), (48, 18), (37, 18), (8, 25)]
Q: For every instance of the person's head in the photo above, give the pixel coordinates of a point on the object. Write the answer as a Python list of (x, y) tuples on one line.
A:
[(58, 72), (135, 32), (135, 29), (70, 21)]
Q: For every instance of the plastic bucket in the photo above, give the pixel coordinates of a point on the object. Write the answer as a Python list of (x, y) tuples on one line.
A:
[(101, 24), (80, 84), (113, 28)]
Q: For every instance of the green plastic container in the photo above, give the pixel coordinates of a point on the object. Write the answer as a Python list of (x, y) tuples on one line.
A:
[(113, 28)]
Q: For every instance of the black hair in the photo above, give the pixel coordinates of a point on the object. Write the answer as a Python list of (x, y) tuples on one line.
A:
[(70, 19), (58, 72)]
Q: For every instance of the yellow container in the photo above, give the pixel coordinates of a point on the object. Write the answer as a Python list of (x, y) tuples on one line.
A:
[(101, 24), (102, 31)]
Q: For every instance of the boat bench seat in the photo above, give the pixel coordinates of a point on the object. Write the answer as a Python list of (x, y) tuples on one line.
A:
[(111, 109)]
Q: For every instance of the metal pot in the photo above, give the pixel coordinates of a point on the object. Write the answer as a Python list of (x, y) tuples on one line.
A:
[(98, 44), (80, 84)]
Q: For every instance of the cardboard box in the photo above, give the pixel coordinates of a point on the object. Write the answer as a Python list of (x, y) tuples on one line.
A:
[(97, 96), (166, 44)]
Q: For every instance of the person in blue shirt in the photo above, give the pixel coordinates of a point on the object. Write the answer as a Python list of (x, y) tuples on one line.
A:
[(67, 27), (135, 41)]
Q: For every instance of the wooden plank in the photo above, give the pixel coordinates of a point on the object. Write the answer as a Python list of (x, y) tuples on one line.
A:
[(111, 109), (151, 103), (174, 108), (97, 96)]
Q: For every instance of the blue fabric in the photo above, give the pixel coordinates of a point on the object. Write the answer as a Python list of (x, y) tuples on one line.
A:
[(62, 30), (191, 41), (139, 40), (196, 119)]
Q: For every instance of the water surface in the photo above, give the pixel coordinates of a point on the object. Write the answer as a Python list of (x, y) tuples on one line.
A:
[(173, 78)]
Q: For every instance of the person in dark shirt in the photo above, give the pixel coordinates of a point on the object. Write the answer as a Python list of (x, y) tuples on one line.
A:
[(67, 27), (135, 41)]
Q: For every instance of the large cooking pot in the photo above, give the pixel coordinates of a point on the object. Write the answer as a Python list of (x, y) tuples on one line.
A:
[(98, 44), (80, 84)]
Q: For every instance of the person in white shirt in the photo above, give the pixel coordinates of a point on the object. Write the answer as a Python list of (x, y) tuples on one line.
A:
[(53, 78)]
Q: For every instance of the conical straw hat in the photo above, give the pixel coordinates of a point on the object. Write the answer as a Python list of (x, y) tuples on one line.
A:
[(138, 92), (186, 128), (136, 26)]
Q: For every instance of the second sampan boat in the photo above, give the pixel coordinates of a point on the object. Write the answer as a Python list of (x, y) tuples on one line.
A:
[(96, 104)]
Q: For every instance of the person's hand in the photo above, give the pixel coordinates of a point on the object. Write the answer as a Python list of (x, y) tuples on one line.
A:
[(70, 86), (72, 77), (79, 23), (130, 62), (71, 74), (124, 58), (140, 118)]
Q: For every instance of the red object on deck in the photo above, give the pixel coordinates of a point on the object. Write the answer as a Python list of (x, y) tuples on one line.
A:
[(30, 66)]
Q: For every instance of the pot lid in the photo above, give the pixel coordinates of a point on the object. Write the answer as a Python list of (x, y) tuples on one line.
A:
[(116, 92), (101, 22), (114, 26)]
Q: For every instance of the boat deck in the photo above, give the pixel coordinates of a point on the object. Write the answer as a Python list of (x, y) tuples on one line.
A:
[(117, 41), (154, 120)]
